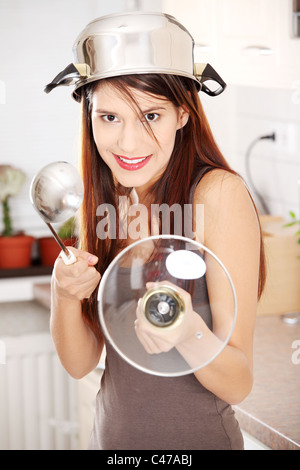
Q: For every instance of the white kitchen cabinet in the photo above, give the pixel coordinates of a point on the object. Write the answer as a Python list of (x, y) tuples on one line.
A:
[(198, 16), (289, 50), (249, 42)]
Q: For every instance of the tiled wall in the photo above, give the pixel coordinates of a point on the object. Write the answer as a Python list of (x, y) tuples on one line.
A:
[(241, 115)]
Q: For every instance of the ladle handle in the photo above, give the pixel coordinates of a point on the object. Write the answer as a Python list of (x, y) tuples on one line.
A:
[(67, 256)]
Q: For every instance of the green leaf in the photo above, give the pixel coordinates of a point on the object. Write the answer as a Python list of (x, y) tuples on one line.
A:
[(290, 224), (292, 214), (67, 230)]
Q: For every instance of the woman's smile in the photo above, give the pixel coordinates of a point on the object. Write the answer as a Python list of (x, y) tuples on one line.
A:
[(132, 164)]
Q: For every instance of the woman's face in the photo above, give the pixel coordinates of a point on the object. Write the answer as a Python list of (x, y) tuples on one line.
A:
[(135, 158)]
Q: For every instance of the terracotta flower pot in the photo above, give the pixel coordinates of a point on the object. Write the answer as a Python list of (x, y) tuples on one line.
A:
[(49, 249), (16, 251)]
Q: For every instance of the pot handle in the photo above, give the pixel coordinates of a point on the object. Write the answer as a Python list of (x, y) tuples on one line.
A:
[(69, 76), (67, 256), (205, 72)]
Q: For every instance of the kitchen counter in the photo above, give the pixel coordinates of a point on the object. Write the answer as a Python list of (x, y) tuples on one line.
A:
[(21, 318), (42, 293), (271, 413)]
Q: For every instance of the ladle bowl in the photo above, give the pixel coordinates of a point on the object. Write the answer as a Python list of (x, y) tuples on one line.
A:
[(56, 192)]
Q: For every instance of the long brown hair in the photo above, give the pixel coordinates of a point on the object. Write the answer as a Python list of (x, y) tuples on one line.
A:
[(195, 148)]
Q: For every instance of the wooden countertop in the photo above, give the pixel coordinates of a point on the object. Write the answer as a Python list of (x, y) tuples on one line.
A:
[(271, 413)]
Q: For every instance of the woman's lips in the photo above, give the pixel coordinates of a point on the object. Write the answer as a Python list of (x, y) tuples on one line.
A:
[(131, 164)]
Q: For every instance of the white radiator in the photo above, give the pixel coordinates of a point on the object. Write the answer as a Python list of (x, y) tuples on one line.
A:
[(38, 399)]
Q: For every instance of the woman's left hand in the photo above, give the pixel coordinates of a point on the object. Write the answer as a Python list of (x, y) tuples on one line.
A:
[(157, 339)]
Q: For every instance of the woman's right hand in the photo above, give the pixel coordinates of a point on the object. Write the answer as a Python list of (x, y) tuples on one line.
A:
[(76, 281)]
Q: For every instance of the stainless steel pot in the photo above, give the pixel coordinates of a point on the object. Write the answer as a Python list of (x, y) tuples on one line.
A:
[(134, 43)]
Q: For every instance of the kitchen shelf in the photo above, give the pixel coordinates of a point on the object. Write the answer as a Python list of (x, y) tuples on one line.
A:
[(34, 270)]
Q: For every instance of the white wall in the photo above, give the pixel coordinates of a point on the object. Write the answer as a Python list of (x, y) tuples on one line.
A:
[(36, 39), (241, 115)]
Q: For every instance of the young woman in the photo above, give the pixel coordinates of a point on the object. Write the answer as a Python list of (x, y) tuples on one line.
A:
[(145, 135)]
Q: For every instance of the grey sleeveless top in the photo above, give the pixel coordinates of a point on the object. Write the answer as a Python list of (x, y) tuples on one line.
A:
[(139, 411)]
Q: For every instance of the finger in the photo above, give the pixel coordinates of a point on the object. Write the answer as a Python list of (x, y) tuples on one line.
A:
[(79, 277), (147, 342), (144, 324), (84, 255), (74, 270), (79, 289), (86, 290), (154, 337)]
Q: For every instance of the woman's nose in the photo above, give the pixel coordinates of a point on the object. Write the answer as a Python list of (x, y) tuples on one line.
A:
[(130, 138)]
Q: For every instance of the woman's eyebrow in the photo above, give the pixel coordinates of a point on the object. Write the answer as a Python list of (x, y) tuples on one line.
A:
[(144, 111), (153, 108), (103, 111)]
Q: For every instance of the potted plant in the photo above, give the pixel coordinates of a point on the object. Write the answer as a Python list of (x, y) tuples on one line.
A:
[(48, 247), (15, 247)]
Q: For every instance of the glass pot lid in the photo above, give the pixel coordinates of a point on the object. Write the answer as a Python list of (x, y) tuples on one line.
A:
[(152, 291)]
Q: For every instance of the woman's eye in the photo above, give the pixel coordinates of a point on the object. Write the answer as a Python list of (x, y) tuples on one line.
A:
[(109, 118), (150, 117)]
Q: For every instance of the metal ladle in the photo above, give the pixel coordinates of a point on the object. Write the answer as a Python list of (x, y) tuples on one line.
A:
[(56, 192)]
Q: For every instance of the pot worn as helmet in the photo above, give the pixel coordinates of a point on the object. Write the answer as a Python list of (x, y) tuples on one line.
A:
[(134, 43)]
